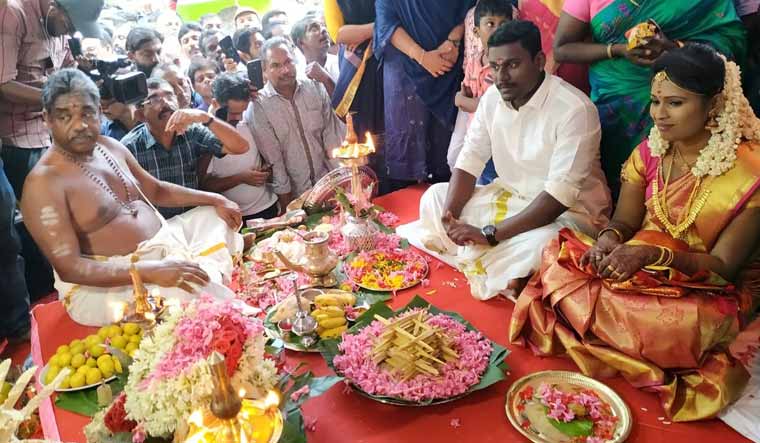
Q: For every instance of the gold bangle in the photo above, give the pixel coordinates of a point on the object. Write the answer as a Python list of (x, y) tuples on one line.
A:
[(610, 229), (609, 50), (659, 259), (671, 256)]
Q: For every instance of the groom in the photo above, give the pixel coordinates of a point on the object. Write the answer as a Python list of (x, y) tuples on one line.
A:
[(543, 135)]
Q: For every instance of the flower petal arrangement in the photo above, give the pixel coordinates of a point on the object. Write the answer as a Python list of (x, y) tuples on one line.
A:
[(386, 270), (473, 362), (169, 377)]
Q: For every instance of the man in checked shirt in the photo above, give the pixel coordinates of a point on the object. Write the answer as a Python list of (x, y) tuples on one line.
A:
[(293, 124), (33, 45)]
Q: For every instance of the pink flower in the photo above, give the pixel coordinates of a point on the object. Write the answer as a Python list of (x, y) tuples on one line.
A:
[(296, 395), (139, 435), (455, 423), (595, 440), (388, 218), (425, 282)]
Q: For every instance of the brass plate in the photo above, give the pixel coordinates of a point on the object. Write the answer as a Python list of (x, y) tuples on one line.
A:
[(619, 408)]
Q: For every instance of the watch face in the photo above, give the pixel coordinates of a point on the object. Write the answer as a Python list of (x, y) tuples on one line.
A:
[(489, 230)]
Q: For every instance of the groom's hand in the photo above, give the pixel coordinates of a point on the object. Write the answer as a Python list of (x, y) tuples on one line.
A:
[(462, 233)]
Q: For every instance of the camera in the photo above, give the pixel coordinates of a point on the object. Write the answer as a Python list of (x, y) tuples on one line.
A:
[(129, 88)]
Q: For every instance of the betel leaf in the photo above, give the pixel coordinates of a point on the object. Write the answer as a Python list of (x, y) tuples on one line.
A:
[(496, 365), (85, 402), (575, 428)]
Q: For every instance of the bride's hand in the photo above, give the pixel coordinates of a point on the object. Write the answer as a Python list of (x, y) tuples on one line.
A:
[(626, 260), (600, 250)]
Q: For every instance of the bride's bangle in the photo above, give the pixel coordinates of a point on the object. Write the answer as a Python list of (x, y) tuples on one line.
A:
[(613, 230)]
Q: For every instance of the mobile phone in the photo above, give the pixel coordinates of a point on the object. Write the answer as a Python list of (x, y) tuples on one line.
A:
[(221, 113), (256, 73), (229, 49), (75, 45)]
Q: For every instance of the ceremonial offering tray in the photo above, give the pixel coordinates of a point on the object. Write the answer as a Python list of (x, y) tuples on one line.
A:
[(567, 407), (418, 356), (333, 309), (93, 359), (386, 270)]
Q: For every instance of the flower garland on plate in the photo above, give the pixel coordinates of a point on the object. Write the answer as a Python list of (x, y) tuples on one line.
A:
[(170, 378), (735, 121), (355, 363)]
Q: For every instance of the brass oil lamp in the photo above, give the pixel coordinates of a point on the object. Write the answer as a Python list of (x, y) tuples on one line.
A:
[(232, 419)]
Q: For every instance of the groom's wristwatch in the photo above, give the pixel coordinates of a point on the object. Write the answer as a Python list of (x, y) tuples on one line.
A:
[(489, 232)]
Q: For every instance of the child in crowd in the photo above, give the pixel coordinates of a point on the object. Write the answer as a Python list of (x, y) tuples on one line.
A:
[(480, 23)]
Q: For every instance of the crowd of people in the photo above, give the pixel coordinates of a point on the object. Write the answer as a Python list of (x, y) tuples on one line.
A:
[(529, 118)]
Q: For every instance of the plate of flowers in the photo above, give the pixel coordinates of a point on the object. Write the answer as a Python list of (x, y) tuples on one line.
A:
[(417, 356), (567, 407), (386, 271)]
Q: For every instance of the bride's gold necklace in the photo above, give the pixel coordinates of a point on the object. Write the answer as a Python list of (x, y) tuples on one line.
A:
[(690, 211)]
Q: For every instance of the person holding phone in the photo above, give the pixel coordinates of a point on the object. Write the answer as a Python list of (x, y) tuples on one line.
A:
[(242, 178)]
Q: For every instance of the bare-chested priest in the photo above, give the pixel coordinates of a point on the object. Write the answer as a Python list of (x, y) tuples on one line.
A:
[(89, 206)]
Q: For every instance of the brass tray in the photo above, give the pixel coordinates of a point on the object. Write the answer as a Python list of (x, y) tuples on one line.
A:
[(619, 408)]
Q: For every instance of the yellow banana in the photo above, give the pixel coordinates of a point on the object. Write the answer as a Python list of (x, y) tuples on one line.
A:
[(333, 332), (333, 322)]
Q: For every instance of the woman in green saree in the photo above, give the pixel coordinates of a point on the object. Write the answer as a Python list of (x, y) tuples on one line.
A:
[(619, 76)]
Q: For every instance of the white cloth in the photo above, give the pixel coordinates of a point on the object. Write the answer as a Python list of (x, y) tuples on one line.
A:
[(198, 235), (551, 144), (488, 269), (457, 137), (251, 199), (332, 66)]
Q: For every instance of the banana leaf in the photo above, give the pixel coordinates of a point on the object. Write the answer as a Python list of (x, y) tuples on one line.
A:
[(494, 373), (85, 402)]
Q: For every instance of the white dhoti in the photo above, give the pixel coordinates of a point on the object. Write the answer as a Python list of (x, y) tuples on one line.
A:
[(198, 235), (488, 269)]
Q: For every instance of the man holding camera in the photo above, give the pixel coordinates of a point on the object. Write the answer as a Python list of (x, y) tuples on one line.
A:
[(144, 49), (172, 141), (33, 45), (293, 123)]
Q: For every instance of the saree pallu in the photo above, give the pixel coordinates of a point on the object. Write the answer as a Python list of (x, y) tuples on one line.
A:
[(620, 89), (661, 330)]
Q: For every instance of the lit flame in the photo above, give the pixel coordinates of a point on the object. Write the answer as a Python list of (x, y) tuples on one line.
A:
[(155, 292), (370, 143), (150, 316), (196, 418), (272, 399), (241, 393)]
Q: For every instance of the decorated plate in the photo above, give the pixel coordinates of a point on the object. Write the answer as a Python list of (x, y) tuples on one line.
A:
[(323, 192), (583, 408), (417, 356), (274, 330), (43, 376), (386, 271)]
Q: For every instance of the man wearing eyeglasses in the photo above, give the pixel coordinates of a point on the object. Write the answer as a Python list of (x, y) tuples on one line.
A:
[(172, 141), (32, 46)]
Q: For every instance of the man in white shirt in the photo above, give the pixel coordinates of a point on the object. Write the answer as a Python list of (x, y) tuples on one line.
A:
[(543, 135), (241, 178)]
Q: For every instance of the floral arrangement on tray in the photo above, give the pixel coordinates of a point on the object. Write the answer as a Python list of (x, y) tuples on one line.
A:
[(386, 270), (577, 415), (169, 377), (454, 360)]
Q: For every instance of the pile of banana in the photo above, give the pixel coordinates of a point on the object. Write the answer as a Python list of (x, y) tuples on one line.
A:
[(330, 312)]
